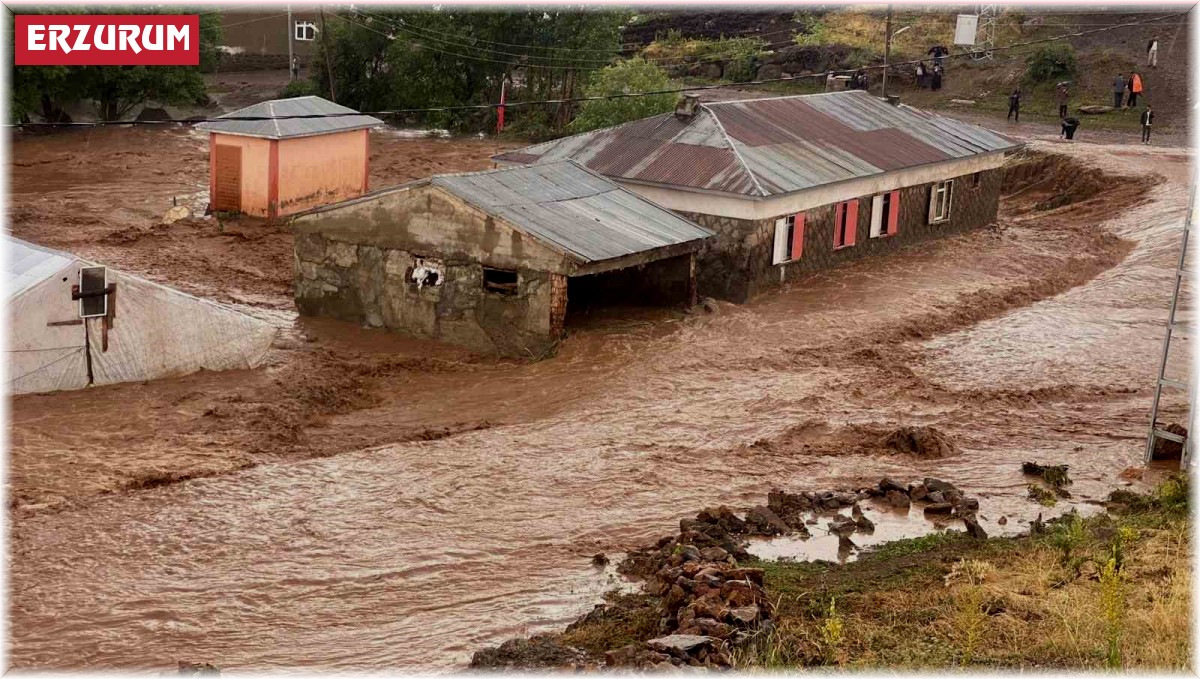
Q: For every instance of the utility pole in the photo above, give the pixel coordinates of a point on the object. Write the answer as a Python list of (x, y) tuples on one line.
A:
[(291, 27), (328, 62), (887, 49)]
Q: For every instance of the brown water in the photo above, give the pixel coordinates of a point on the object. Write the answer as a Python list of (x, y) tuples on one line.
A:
[(414, 555)]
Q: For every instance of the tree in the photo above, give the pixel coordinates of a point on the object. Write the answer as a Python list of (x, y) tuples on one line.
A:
[(1050, 62), (632, 75)]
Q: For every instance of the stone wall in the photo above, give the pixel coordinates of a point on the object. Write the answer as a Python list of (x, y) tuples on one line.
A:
[(446, 299), (736, 263)]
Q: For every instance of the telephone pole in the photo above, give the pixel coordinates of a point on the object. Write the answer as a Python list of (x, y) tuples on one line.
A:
[(291, 27), (887, 49), (325, 48)]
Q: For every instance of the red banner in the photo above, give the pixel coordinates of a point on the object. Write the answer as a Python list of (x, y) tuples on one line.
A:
[(106, 39)]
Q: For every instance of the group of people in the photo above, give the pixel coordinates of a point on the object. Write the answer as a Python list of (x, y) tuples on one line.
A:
[(931, 77), (1126, 90)]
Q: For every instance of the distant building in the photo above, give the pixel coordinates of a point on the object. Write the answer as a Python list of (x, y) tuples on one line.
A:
[(75, 323), (252, 41), (792, 184), (282, 165), (492, 261)]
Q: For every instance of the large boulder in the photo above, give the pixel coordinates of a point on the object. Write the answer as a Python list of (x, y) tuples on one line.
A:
[(926, 443)]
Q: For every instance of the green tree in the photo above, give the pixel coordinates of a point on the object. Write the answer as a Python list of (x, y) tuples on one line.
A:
[(632, 75), (1050, 62)]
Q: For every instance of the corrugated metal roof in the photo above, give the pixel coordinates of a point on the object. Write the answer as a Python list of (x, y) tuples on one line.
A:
[(275, 128), (574, 209), (26, 264), (764, 147)]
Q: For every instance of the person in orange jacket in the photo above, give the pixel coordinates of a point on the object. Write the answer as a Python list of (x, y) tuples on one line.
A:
[(1135, 88)]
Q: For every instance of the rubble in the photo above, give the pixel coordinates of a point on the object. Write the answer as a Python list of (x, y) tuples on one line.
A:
[(924, 442)]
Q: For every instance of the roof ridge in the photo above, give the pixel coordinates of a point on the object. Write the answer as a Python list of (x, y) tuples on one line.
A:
[(786, 96), (741, 161)]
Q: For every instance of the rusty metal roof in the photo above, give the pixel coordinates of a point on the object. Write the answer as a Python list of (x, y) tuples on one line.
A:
[(270, 119), (766, 147), (574, 209)]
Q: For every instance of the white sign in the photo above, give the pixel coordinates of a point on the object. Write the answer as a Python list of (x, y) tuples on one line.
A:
[(964, 30)]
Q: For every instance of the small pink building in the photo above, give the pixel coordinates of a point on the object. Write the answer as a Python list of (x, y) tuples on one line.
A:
[(286, 156)]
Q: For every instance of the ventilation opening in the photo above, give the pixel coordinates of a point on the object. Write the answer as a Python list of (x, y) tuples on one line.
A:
[(500, 281)]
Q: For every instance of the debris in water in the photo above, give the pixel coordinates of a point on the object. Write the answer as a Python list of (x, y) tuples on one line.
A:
[(924, 442)]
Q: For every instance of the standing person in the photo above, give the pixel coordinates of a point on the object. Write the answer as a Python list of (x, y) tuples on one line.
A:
[(939, 53), (1118, 90), (936, 83), (1152, 53), (921, 74), (1147, 121), (1062, 94), (1135, 88), (295, 67), (1014, 105)]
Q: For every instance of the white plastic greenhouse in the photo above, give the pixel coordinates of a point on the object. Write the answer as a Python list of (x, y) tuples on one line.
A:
[(74, 323)]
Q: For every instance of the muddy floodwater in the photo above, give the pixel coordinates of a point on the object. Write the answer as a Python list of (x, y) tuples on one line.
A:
[(451, 503)]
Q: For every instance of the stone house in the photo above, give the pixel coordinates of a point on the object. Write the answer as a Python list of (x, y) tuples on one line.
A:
[(793, 184), (269, 160), (492, 261)]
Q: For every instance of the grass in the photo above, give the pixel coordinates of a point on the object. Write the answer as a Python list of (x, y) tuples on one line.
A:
[(1106, 591)]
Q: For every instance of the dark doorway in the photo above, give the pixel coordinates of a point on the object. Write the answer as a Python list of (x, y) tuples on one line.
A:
[(665, 283)]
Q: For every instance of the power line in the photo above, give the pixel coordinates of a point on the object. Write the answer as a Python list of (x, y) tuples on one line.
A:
[(624, 95)]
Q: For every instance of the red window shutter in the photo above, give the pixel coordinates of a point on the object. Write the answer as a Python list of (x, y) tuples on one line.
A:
[(798, 236), (851, 221), (893, 223), (837, 225)]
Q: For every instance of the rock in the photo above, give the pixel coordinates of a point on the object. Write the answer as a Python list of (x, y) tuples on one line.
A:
[(845, 547), (936, 497), (1003, 521), (763, 521), (973, 528), (680, 645), (927, 443), (690, 553), (739, 593), (963, 102), (203, 669), (599, 560), (633, 655), (709, 305), (176, 213), (887, 485), (747, 615), (897, 499), (713, 554), (722, 516), (842, 525), (712, 628), (864, 525), (1094, 109), (969, 504), (537, 652), (938, 485), (918, 492), (752, 575), (939, 508)]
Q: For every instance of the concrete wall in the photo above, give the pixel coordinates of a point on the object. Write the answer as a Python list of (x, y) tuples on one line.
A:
[(356, 262), (256, 170), (736, 263), (321, 170)]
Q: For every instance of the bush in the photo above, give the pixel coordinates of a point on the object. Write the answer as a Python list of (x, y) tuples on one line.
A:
[(299, 88), (632, 75), (1051, 62)]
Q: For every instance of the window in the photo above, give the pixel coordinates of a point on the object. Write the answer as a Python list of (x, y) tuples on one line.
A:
[(976, 180), (845, 223), (306, 31), (941, 196), (885, 214), (93, 298), (501, 281), (789, 238)]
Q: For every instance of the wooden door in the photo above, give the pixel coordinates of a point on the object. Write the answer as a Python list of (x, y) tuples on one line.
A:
[(228, 166)]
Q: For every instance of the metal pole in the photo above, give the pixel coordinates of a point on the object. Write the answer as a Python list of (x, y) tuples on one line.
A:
[(291, 35), (325, 44), (887, 49)]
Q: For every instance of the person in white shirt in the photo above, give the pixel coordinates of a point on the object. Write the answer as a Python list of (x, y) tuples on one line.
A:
[(1152, 53)]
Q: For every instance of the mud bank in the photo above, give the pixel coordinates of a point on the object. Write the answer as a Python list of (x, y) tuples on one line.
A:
[(360, 545)]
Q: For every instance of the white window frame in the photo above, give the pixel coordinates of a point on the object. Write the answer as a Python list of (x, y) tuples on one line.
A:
[(301, 28), (939, 210), (784, 227)]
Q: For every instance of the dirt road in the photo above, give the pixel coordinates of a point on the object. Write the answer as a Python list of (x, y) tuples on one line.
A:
[(373, 502)]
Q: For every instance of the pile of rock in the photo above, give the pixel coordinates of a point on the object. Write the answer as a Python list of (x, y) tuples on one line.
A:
[(941, 499)]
